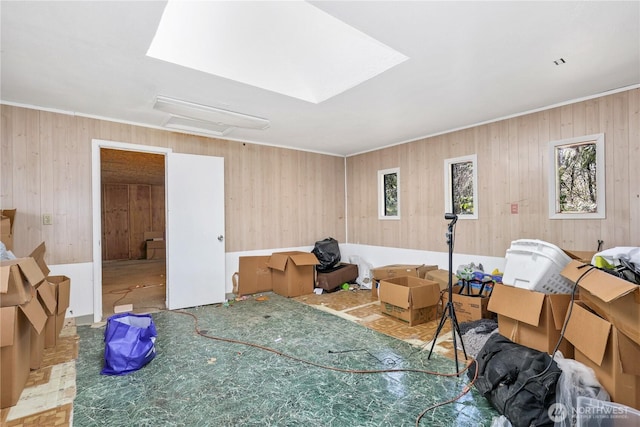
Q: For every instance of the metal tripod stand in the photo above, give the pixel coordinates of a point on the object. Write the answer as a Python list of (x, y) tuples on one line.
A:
[(449, 310)]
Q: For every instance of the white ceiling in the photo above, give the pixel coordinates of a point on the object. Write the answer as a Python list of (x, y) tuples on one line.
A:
[(469, 62)]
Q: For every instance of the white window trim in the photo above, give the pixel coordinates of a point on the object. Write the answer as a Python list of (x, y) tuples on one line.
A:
[(381, 195), (448, 202), (600, 174)]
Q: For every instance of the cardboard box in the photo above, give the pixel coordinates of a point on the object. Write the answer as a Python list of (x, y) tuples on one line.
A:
[(605, 349), (254, 275), (17, 279), (442, 277), (398, 270), (47, 300), (16, 323), (293, 273), (7, 217), (468, 307), (38, 255), (614, 299), (409, 298), (531, 318), (336, 277), (156, 249), (582, 256), (61, 288), (154, 235)]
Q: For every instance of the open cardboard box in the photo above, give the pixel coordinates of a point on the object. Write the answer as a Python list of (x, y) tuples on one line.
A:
[(254, 275), (17, 279), (468, 307), (610, 353), (16, 324), (7, 217), (398, 270), (47, 299), (582, 256), (293, 273), (442, 277), (60, 287), (614, 299), (409, 298), (531, 318)]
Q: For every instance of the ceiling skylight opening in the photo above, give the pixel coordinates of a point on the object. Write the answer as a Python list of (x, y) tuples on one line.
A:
[(291, 48)]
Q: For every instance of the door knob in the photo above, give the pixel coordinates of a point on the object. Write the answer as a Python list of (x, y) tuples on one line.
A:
[(220, 238)]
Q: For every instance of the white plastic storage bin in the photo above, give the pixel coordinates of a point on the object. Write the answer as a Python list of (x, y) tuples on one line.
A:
[(536, 265)]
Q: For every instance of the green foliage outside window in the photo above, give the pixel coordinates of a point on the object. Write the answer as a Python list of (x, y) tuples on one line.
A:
[(462, 187), (391, 194), (576, 178)]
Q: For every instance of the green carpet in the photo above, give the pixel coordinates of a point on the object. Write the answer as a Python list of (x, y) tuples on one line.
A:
[(195, 381)]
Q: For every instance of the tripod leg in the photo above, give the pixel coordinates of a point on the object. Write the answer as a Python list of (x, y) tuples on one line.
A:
[(457, 329), (443, 319)]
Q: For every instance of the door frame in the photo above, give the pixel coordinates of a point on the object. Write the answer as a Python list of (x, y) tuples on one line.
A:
[(96, 183)]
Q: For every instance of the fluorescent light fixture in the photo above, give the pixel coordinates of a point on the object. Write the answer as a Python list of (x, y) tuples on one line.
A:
[(288, 47), (188, 114), (197, 126)]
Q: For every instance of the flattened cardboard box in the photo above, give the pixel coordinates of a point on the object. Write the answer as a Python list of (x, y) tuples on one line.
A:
[(293, 273), (610, 353), (531, 318), (61, 288), (398, 270), (254, 275), (411, 299), (468, 307), (15, 346), (614, 299)]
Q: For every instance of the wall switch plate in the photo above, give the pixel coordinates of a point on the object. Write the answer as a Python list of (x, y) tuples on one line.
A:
[(47, 219)]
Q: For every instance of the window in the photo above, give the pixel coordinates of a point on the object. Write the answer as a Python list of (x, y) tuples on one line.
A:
[(389, 194), (461, 186), (576, 178)]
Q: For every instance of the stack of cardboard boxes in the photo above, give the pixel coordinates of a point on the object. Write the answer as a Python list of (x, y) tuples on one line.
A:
[(604, 328), (32, 309), (602, 324)]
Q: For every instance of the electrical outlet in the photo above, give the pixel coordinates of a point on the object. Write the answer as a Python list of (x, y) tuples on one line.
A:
[(47, 219)]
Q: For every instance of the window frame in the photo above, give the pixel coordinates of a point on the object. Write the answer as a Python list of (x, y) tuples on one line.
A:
[(448, 190), (600, 213), (381, 193)]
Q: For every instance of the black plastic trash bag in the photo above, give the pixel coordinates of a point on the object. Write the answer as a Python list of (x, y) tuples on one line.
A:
[(520, 382), (129, 343), (328, 253)]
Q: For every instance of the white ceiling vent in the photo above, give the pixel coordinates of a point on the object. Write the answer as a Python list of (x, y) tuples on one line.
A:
[(205, 119)]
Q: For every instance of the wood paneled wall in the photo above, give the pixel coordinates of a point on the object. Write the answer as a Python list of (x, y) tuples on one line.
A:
[(512, 168), (274, 197)]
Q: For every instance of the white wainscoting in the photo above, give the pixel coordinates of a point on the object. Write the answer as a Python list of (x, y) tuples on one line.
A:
[(81, 275)]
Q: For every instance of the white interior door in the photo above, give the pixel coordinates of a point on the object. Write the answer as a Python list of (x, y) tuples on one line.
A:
[(195, 230)]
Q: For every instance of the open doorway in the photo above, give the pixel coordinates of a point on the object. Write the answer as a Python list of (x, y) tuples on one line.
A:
[(133, 231)]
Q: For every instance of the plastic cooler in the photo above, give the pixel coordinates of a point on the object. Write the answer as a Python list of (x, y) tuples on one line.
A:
[(536, 265)]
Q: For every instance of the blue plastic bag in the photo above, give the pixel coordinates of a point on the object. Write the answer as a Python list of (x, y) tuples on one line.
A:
[(129, 343)]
